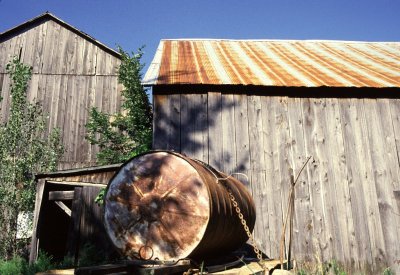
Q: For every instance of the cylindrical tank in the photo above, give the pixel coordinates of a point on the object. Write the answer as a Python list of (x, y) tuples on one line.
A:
[(166, 206)]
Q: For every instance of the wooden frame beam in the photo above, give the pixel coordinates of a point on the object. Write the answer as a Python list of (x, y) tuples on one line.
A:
[(61, 195), (76, 183), (64, 207)]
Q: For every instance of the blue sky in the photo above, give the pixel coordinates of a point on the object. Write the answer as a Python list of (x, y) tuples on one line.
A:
[(132, 23)]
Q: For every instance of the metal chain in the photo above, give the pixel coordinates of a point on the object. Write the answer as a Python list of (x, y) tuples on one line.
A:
[(245, 226), (238, 211)]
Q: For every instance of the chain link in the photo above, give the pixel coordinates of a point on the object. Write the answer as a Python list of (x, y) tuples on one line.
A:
[(245, 226), (238, 211)]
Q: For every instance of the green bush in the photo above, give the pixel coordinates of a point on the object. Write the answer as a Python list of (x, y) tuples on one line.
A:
[(18, 265), (14, 266)]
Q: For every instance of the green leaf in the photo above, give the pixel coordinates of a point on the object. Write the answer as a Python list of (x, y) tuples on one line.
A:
[(123, 135)]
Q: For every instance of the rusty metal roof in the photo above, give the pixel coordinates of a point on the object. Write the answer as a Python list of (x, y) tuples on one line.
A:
[(308, 63)]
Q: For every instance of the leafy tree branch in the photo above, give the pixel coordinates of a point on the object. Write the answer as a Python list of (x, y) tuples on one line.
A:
[(24, 151), (125, 134)]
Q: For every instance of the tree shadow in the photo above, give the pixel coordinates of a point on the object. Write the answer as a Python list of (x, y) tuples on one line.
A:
[(202, 126)]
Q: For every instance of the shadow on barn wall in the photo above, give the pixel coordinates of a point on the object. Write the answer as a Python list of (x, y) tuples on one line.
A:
[(211, 127)]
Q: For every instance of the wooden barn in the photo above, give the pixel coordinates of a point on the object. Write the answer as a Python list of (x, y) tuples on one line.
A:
[(72, 72), (261, 107)]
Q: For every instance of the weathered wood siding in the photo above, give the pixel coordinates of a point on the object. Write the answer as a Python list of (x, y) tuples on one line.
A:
[(70, 75), (86, 221), (345, 206)]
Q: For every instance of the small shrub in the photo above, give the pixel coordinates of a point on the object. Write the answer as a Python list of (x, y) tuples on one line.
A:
[(16, 265), (91, 255), (301, 272), (388, 271), (67, 262), (44, 262)]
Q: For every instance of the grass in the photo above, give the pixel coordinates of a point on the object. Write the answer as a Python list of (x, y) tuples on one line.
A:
[(18, 265), (89, 255), (331, 267)]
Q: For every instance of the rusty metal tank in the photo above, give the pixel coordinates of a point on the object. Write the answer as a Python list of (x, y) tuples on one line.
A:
[(166, 206)]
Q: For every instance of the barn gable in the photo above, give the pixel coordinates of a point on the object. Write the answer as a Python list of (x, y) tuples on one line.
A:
[(262, 107), (72, 72)]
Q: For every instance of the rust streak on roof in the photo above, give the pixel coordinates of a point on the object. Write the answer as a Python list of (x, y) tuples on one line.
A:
[(282, 63)]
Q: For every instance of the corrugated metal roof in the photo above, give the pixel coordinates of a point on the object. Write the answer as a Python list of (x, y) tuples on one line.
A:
[(307, 63)]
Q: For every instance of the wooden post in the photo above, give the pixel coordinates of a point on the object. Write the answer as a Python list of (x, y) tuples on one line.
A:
[(38, 204)]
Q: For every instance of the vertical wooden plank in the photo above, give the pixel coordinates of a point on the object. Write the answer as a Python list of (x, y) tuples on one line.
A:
[(276, 145), (33, 88), (100, 61), (160, 121), (59, 56), (47, 99), (89, 58), (58, 50), (48, 59), (193, 132), (263, 142), (38, 204), (13, 47), (112, 94), (20, 47), (120, 88), (91, 226), (109, 65), (85, 221), (82, 143), (73, 116), (80, 95), (283, 148), (55, 102), (6, 54), (214, 116), (256, 136), (106, 94), (67, 60), (228, 134), (29, 45), (62, 101), (78, 57), (173, 134), (302, 233), (342, 231), (201, 126), (260, 175), (242, 133), (93, 149), (1, 83), (117, 64), (395, 118), (74, 226), (5, 103), (3, 53), (40, 42), (314, 138), (321, 142), (262, 230), (386, 174), (67, 117), (369, 238)]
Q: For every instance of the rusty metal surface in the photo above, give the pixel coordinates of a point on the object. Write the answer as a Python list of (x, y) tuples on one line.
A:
[(166, 206), (276, 63)]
